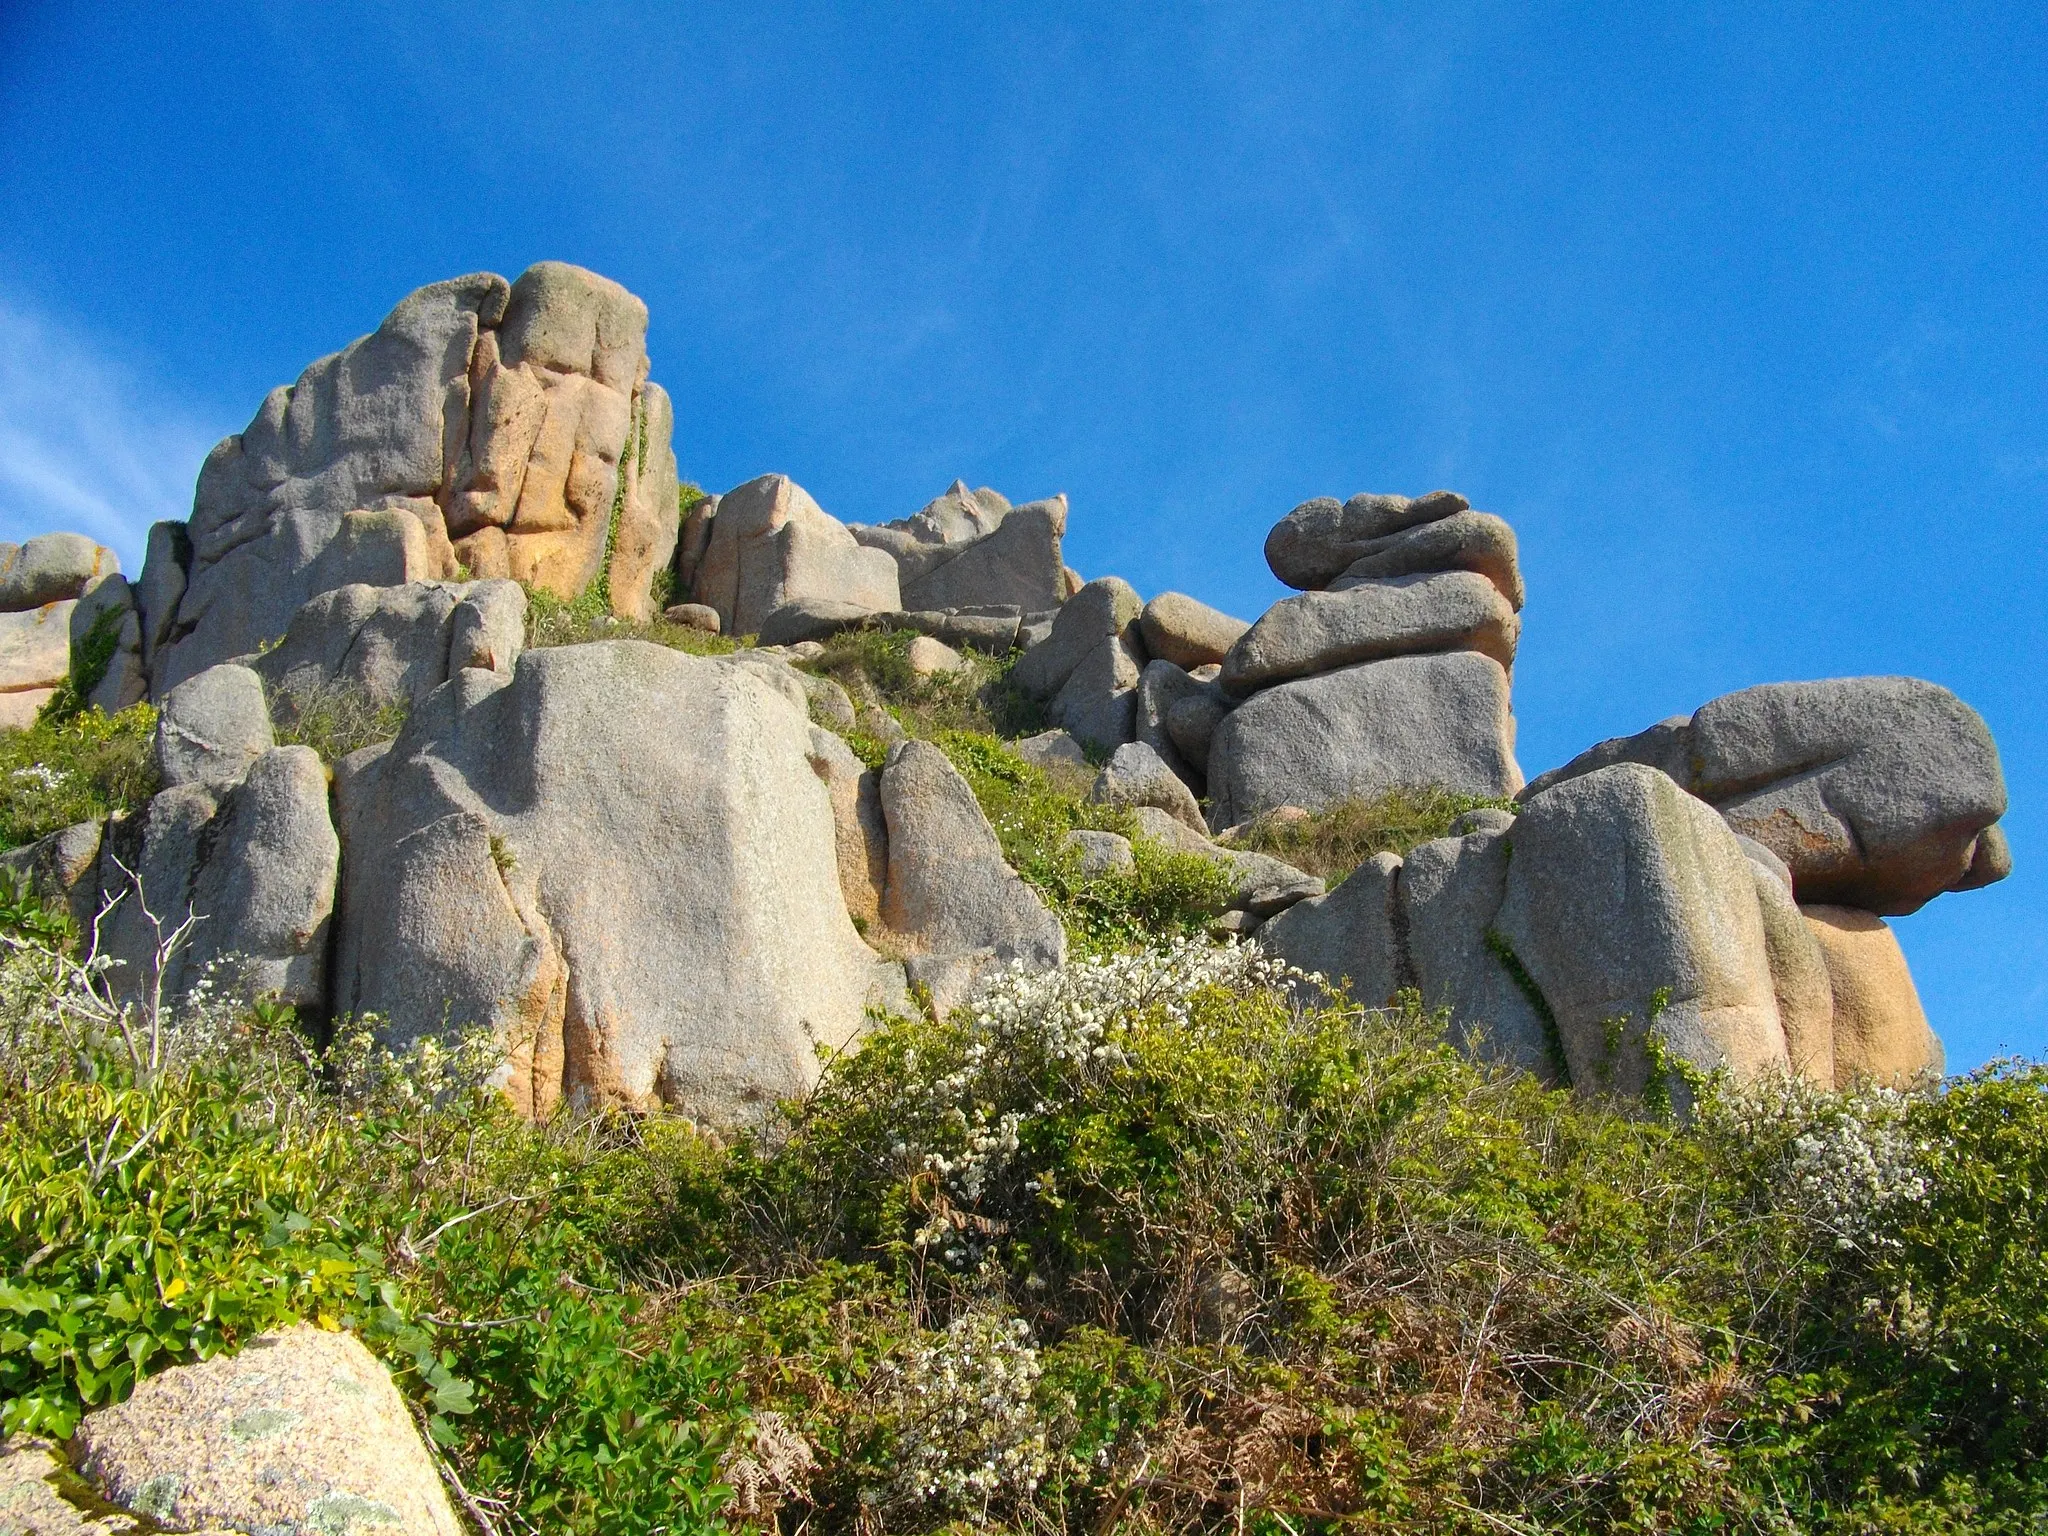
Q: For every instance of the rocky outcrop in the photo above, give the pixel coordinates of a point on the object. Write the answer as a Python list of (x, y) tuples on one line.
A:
[(505, 428), (392, 645), (212, 727), (1881, 1034), (1390, 670), (771, 545), (972, 549), (1350, 936), (1136, 775), (1087, 667), (1189, 634), (623, 860), (62, 597), (1877, 792), (302, 1430), (1411, 720), (952, 905)]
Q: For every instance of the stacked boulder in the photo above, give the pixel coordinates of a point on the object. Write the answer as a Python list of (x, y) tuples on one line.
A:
[(1390, 670), (1704, 895), (486, 429), (63, 598)]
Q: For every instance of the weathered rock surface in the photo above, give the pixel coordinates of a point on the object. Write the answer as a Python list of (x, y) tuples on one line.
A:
[(623, 860), (1161, 686), (700, 616), (1054, 750), (1186, 632), (972, 548), (931, 658), (1632, 908), (1451, 892), (483, 423), (952, 903), (1102, 610), (1098, 702), (1411, 720), (35, 658), (1873, 790), (1323, 631), (1881, 1034), (301, 1431), (1465, 541), (64, 866), (1136, 775), (1348, 936), (52, 568), (772, 544), (861, 834), (212, 727), (394, 645), (1799, 979), (1312, 545), (1100, 853), (252, 864), (106, 633)]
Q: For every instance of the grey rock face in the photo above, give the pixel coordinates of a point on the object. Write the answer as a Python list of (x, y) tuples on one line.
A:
[(1100, 611), (1054, 750), (1161, 686), (1322, 631), (483, 424), (52, 568), (1873, 790), (861, 834), (300, 1431), (808, 618), (1017, 564), (1799, 979), (1451, 892), (623, 859), (252, 863), (1098, 702), (1364, 730), (109, 604), (1311, 546), (63, 866), (952, 902), (394, 645), (1135, 775), (1465, 541), (1348, 936), (165, 561), (1100, 853), (1187, 633), (1191, 724), (772, 544), (212, 727), (1632, 908)]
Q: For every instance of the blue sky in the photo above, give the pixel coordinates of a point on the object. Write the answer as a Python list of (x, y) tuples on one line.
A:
[(1739, 313)]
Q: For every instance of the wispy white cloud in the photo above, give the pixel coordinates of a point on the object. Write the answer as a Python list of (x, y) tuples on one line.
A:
[(86, 444)]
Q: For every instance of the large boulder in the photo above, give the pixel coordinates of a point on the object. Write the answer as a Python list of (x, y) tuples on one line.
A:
[(1187, 633), (1881, 1034), (969, 549), (1322, 631), (1136, 775), (1477, 542), (1098, 703), (1799, 977), (1350, 936), (1101, 610), (250, 866), (1451, 893), (52, 568), (63, 866), (1311, 546), (772, 544), (302, 1431), (394, 645), (489, 425), (1634, 912), (623, 860), (212, 727), (1363, 730), (1876, 791), (952, 904), (35, 659)]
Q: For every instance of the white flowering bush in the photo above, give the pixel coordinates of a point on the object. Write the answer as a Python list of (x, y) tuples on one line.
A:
[(1844, 1162), (968, 1434)]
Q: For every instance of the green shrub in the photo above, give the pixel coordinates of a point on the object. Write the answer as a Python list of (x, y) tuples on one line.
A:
[(80, 768), (90, 657), (873, 665), (1334, 841), (550, 621), (335, 720)]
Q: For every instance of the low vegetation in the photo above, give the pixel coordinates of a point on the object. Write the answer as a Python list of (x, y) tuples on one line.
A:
[(551, 621), (1159, 1243), (74, 767), (335, 720), (1334, 841)]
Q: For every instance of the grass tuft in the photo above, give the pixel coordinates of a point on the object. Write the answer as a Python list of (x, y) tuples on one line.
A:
[(1334, 841)]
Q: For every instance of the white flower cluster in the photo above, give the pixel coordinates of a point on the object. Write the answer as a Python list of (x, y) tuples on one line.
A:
[(970, 1433), (1069, 1028), (1847, 1158), (427, 1071), (40, 776)]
